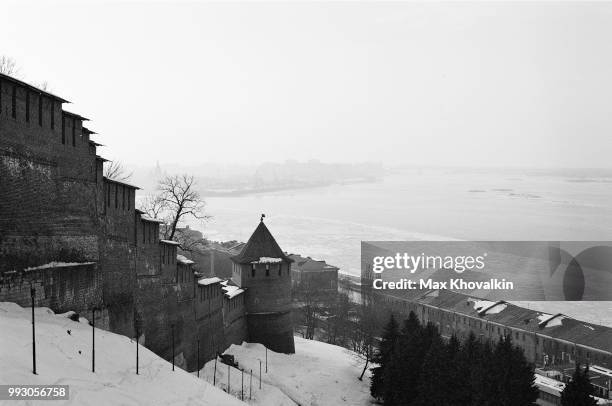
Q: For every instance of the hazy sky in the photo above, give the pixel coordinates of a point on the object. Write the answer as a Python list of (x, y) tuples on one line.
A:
[(438, 83)]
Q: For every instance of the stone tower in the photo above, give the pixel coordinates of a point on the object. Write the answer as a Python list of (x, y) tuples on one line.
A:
[(265, 271)]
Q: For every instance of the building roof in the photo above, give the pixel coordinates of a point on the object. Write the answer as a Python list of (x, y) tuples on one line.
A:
[(33, 88), (169, 242), (144, 217), (75, 115), (556, 326), (99, 158), (261, 245), (232, 291), (88, 131), (119, 182), (181, 259), (307, 264), (209, 281)]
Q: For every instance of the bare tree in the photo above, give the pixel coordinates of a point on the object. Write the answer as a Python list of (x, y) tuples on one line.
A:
[(307, 298), (190, 242), (8, 66), (179, 194), (364, 335), (116, 171)]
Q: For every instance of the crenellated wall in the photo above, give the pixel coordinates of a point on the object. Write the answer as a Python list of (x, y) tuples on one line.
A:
[(56, 206)]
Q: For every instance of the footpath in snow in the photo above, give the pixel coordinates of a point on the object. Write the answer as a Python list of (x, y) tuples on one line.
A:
[(318, 374), (63, 349)]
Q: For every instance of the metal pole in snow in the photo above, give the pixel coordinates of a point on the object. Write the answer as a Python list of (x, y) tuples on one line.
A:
[(173, 347), (215, 373), (251, 384), (32, 294), (259, 374), (137, 335), (93, 340), (198, 366)]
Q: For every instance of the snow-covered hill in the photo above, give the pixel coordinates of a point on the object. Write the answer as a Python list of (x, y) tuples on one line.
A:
[(64, 357), (318, 374)]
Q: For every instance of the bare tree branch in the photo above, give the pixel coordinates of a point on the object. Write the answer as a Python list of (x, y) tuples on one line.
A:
[(8, 66), (176, 200), (116, 171)]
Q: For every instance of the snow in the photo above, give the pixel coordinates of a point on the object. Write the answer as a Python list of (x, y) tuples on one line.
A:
[(488, 307), (232, 291), (317, 374), (57, 265), (150, 219), (209, 281), (268, 260), (548, 320), (268, 395), (555, 387), (184, 260), (169, 242), (114, 382)]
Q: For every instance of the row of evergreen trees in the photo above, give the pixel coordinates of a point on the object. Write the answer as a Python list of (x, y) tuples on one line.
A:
[(416, 367)]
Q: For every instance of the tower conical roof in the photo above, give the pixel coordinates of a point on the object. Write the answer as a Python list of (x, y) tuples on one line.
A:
[(261, 244)]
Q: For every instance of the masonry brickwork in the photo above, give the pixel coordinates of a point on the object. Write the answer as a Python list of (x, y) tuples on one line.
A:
[(77, 238)]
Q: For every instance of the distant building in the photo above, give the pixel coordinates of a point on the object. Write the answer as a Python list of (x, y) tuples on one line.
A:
[(316, 274)]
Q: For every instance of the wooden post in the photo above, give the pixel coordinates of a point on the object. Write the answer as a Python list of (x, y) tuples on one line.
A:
[(198, 365)]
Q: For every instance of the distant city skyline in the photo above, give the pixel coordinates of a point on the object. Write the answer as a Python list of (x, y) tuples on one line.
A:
[(453, 84)]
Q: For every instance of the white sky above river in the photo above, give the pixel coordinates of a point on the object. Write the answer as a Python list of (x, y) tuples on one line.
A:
[(519, 83)]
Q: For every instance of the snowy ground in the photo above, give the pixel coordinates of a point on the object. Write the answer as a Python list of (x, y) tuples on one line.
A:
[(65, 359), (318, 374)]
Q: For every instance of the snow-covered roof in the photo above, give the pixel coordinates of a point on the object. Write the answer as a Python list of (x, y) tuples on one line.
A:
[(181, 259), (488, 307), (232, 291), (549, 320), (57, 265), (267, 260), (169, 242), (209, 281), (144, 217)]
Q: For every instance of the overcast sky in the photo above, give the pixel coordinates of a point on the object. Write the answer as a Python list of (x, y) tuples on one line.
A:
[(521, 84)]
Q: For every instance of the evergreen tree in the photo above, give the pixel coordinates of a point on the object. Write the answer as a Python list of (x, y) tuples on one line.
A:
[(382, 357), (435, 380), (578, 391), (456, 372), (407, 364), (481, 383), (513, 376)]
